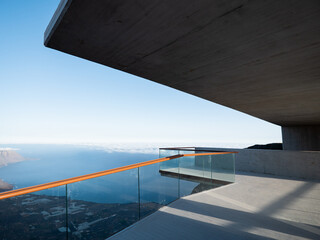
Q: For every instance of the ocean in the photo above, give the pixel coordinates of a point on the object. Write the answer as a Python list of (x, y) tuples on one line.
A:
[(90, 209), (47, 163)]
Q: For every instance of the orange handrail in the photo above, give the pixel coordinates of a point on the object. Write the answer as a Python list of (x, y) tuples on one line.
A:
[(26, 190)]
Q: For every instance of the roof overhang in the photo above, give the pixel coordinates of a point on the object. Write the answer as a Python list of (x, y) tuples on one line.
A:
[(258, 57)]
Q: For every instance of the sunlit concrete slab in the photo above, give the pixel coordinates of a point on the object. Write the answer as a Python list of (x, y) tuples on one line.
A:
[(255, 207)]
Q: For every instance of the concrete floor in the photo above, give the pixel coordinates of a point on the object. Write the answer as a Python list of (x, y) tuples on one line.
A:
[(255, 207)]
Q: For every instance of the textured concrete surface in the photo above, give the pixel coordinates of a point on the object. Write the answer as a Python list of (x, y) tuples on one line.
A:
[(255, 207), (259, 57), (301, 138), (299, 164)]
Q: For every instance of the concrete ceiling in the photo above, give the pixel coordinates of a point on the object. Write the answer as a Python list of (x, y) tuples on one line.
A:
[(259, 57)]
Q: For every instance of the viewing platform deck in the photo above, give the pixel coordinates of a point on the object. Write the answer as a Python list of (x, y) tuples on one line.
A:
[(257, 206)]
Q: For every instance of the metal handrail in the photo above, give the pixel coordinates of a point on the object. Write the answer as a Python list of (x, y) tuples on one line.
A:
[(26, 190)]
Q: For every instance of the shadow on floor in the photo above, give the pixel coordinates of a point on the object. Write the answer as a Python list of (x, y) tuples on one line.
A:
[(242, 220)]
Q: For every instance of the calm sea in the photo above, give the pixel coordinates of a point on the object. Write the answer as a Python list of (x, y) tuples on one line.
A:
[(46, 163), (91, 209)]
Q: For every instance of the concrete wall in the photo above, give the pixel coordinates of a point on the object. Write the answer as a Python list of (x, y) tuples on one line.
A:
[(299, 164), (301, 138)]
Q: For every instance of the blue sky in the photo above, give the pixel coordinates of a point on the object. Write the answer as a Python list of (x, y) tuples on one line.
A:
[(48, 96)]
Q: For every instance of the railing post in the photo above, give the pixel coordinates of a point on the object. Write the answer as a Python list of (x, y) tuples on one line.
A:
[(139, 193), (67, 224), (234, 166), (211, 168), (178, 176)]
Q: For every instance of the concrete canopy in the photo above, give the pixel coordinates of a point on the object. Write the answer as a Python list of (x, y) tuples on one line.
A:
[(259, 57)]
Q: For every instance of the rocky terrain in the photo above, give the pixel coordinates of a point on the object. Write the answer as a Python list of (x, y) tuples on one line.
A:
[(34, 216)]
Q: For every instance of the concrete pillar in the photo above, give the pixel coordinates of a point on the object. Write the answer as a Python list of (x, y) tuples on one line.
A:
[(301, 138)]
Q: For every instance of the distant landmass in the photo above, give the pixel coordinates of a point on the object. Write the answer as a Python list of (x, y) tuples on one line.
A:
[(270, 146), (5, 186), (9, 156)]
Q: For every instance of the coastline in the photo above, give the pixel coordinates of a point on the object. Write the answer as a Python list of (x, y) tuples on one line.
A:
[(4, 186)]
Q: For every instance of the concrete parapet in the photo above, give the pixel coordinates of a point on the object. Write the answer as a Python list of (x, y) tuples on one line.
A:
[(298, 164)]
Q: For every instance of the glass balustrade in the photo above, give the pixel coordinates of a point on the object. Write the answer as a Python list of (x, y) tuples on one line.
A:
[(223, 167), (99, 207), (199, 173), (156, 190)]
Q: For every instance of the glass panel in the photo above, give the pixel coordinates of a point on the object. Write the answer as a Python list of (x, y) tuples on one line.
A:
[(39, 215), (167, 152), (191, 166), (195, 174), (169, 166), (223, 167), (157, 187), (100, 207), (206, 163)]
